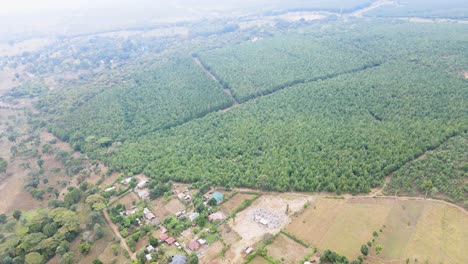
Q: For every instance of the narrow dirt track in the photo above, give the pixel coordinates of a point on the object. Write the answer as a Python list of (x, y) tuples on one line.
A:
[(117, 233)]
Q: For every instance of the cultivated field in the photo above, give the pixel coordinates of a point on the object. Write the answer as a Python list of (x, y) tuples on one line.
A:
[(414, 229), (285, 249), (235, 202)]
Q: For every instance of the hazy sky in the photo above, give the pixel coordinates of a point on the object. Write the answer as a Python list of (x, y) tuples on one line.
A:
[(38, 6)]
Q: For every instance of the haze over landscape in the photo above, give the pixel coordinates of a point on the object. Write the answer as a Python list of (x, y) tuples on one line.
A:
[(260, 131)]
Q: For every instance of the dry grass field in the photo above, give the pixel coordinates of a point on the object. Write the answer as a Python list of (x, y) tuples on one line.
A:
[(287, 250), (414, 229)]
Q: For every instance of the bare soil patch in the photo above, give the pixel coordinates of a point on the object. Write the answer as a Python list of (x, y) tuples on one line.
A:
[(163, 210), (228, 234), (285, 249), (211, 253)]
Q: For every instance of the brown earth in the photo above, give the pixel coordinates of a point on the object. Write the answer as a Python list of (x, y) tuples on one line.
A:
[(287, 250)]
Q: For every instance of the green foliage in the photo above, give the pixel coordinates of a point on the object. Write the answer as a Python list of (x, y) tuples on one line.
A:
[(364, 250), (3, 165), (419, 8), (192, 259), (43, 234), (84, 247), (370, 123), (251, 69), (442, 168), (332, 257), (33, 258), (167, 93), (17, 214)]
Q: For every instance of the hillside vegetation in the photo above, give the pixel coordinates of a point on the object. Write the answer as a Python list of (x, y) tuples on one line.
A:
[(349, 103), (442, 171), (260, 67), (169, 92), (424, 8), (343, 134)]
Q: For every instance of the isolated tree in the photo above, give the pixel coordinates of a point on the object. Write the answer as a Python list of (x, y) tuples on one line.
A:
[(17, 214), (3, 218), (192, 259), (364, 250), (378, 249), (427, 186)]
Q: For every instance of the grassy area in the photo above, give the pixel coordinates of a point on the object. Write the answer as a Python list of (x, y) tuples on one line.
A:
[(411, 229)]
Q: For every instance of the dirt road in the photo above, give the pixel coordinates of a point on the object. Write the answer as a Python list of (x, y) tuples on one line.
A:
[(115, 229)]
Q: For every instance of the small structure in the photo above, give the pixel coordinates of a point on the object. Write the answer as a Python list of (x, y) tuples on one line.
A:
[(141, 184), (146, 210), (264, 222), (193, 245), (201, 241), (170, 240), (109, 189), (193, 216), (163, 229), (216, 216), (177, 245), (148, 257), (150, 216), (218, 197), (149, 248), (127, 181), (163, 237), (179, 259), (143, 194), (248, 250)]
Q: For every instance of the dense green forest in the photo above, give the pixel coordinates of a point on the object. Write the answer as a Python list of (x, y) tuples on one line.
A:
[(424, 8), (254, 68), (344, 134), (268, 64), (442, 172), (354, 100), (168, 93)]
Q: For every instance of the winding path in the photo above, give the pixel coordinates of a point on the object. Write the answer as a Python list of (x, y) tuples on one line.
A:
[(115, 229)]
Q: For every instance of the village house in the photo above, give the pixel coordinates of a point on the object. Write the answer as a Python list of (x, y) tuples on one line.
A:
[(148, 257), (218, 197), (141, 184), (248, 250), (163, 237), (143, 194), (149, 248), (127, 181), (193, 245), (179, 259), (163, 229), (170, 241), (193, 216), (216, 216)]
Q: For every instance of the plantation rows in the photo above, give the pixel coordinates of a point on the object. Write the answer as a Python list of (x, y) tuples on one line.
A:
[(344, 134), (419, 8), (251, 69), (168, 93), (442, 171)]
